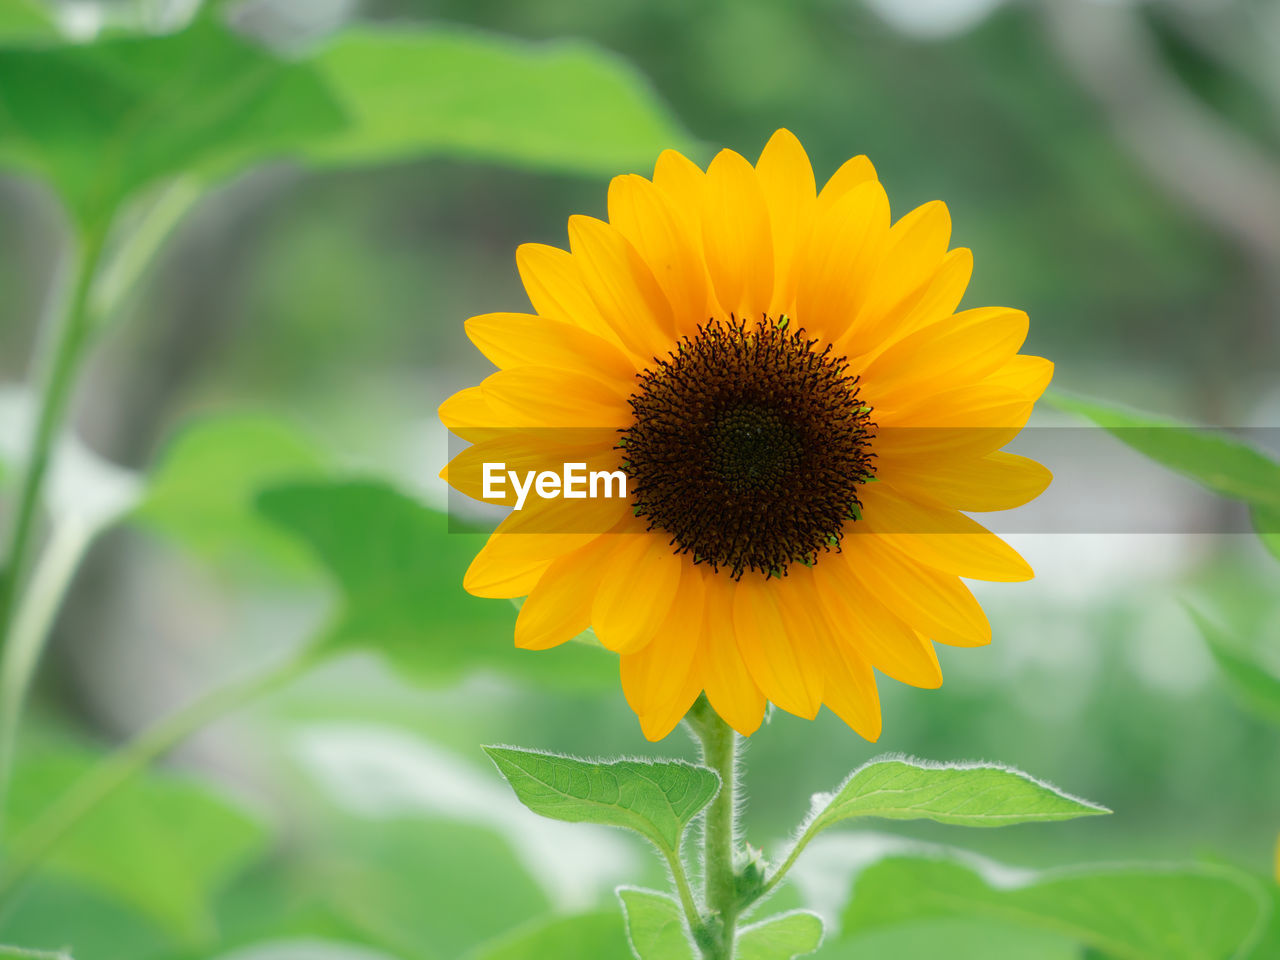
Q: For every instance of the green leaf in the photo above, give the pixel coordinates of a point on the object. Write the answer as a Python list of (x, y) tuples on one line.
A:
[(161, 843), (24, 21), (303, 948), (782, 937), (564, 105), (51, 913), (655, 925), (202, 492), (421, 889), (1213, 459), (962, 794), (953, 938), (103, 120), (588, 936), (400, 567), (1255, 686), (1127, 913), (657, 799), (1266, 520)]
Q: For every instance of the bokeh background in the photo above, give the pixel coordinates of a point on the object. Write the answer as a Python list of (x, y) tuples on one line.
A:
[(1115, 167)]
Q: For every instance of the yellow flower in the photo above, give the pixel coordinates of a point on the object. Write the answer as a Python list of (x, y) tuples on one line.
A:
[(802, 416)]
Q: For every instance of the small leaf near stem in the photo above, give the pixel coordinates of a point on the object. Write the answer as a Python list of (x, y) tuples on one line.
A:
[(960, 794), (656, 799), (719, 744)]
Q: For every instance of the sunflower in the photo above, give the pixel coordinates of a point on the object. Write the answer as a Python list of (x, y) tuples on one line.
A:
[(805, 421)]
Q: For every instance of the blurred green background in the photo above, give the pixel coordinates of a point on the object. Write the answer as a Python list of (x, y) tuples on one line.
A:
[(1115, 168)]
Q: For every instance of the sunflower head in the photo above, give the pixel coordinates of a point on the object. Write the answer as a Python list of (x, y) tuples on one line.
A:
[(748, 446), (803, 419)]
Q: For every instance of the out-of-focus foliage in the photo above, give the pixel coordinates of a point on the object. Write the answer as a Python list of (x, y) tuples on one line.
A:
[(162, 844), (202, 490), (1257, 687), (1214, 459), (104, 120), (563, 106), (400, 567), (1178, 913), (425, 144)]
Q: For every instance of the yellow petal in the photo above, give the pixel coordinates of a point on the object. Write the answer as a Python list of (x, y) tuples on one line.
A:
[(998, 481), (872, 629), (939, 536), (659, 723), (852, 173), (623, 288), (468, 414), (685, 185), (960, 350), (936, 604), (737, 237), (525, 340), (982, 406), (911, 256), (833, 270), (653, 680), (769, 644), (786, 179), (509, 567), (541, 397), (636, 591), (643, 214), (850, 690), (730, 689), (1024, 375), (556, 289), (939, 297), (559, 606)]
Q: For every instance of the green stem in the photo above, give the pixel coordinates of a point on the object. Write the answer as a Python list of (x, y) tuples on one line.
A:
[(18, 661), (35, 843), (720, 753), (778, 875), (67, 345), (681, 878)]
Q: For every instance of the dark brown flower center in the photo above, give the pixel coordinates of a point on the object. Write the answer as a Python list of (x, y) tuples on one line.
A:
[(748, 447)]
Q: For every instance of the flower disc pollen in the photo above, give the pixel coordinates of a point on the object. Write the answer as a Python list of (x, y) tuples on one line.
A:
[(748, 447)]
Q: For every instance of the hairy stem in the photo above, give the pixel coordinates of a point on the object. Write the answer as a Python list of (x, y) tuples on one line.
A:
[(720, 753), (34, 844)]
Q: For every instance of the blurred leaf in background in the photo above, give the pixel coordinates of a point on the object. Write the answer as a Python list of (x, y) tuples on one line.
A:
[(1178, 913), (562, 106), (399, 566), (100, 121), (162, 844)]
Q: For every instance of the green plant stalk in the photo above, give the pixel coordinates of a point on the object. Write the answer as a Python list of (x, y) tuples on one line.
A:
[(67, 346), (34, 844), (720, 887), (49, 582)]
